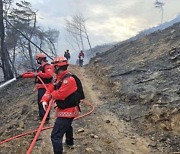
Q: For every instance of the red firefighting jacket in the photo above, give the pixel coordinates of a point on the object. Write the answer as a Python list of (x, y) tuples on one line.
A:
[(45, 72), (67, 88)]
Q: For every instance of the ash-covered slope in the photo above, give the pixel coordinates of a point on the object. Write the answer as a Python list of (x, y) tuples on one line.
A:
[(144, 77)]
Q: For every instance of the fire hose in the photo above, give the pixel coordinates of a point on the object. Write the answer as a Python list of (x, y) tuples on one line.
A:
[(40, 128)]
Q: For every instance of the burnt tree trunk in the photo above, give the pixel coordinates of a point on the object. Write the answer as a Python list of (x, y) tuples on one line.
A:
[(6, 67)]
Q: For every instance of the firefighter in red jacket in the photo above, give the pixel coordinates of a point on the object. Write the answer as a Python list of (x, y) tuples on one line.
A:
[(81, 57), (45, 72), (64, 87)]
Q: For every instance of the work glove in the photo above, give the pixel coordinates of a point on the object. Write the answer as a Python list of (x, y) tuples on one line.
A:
[(46, 97), (44, 104)]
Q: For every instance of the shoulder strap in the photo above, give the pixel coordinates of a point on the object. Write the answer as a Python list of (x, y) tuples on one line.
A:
[(78, 82), (58, 85), (42, 68), (79, 86)]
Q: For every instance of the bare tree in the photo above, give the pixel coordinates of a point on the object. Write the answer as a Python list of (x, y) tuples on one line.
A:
[(74, 35), (71, 43), (6, 67), (47, 39), (77, 30), (24, 18), (160, 5), (18, 31), (51, 37)]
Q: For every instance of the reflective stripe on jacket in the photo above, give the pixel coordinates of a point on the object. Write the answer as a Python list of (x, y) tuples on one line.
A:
[(68, 112)]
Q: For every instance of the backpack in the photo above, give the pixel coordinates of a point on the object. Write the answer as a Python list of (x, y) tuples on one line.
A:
[(74, 99)]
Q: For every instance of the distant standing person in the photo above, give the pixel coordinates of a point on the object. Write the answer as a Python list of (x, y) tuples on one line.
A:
[(67, 54), (81, 58)]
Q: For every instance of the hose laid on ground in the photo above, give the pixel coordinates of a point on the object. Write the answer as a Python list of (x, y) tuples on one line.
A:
[(40, 127), (49, 127), (42, 124)]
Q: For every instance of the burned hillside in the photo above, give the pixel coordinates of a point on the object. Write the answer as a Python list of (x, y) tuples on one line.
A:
[(143, 76), (134, 88)]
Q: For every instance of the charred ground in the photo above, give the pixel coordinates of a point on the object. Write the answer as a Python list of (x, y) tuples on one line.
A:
[(135, 90), (143, 75)]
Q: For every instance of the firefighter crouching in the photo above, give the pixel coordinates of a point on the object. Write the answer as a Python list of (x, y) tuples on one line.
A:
[(45, 72), (63, 92)]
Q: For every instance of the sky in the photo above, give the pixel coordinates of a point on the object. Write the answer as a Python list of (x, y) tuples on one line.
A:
[(106, 20)]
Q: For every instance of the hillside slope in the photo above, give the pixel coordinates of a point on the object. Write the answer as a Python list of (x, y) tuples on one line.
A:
[(144, 77), (135, 90), (100, 132)]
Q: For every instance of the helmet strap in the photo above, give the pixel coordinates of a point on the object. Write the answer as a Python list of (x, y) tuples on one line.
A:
[(58, 68), (39, 61)]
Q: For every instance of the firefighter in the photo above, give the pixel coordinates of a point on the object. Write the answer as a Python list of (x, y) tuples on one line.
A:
[(67, 54), (81, 54), (63, 92), (45, 72), (81, 57)]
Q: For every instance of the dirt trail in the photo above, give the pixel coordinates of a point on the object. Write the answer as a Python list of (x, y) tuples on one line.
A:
[(114, 135), (102, 131)]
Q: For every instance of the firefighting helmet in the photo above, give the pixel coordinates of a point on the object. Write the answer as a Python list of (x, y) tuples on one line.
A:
[(60, 61), (40, 56)]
